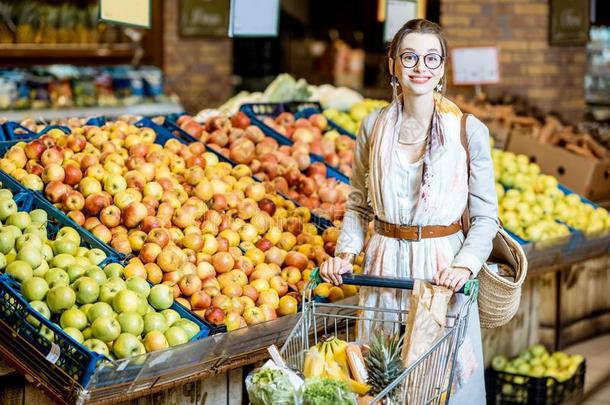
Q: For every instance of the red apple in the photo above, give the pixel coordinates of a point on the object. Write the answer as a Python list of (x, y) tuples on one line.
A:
[(133, 214), (74, 201)]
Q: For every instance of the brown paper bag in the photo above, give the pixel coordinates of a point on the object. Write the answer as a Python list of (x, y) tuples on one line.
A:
[(426, 319)]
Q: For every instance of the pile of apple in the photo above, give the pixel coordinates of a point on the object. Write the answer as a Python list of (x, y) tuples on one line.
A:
[(285, 169), (351, 121), (98, 308), (533, 202)]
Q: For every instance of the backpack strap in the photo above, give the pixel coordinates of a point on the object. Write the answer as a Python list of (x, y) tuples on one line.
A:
[(464, 139)]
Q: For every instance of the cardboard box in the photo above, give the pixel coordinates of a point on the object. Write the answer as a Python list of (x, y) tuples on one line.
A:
[(586, 177)]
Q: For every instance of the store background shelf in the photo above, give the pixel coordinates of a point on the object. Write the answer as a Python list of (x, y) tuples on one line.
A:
[(65, 51)]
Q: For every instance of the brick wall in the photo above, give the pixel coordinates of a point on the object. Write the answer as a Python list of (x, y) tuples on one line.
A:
[(197, 69), (552, 78)]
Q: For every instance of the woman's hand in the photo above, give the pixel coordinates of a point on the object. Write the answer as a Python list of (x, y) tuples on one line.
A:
[(453, 278), (332, 269)]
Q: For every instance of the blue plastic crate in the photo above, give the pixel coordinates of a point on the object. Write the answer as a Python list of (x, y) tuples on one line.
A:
[(96, 121), (170, 125), (15, 131), (253, 111)]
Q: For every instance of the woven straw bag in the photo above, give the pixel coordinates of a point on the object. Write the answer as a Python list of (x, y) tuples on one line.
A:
[(499, 292)]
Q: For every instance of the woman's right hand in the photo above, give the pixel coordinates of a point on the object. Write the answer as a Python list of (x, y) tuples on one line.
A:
[(332, 269)]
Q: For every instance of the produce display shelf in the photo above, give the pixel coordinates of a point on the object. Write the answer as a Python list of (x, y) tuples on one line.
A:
[(171, 125), (254, 111), (61, 51), (307, 112), (11, 131), (44, 115)]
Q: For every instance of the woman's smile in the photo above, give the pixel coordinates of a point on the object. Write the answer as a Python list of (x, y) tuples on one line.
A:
[(419, 79)]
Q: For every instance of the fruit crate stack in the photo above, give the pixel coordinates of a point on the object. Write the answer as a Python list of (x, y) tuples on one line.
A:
[(536, 377)]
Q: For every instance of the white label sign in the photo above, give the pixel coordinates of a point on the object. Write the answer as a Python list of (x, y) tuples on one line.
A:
[(254, 18), (476, 65), (132, 12), (398, 12)]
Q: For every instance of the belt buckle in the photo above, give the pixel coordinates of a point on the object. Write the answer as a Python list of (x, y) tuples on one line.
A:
[(418, 233)]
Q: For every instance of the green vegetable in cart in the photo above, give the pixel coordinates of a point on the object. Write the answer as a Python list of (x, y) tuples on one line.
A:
[(272, 386), (323, 391)]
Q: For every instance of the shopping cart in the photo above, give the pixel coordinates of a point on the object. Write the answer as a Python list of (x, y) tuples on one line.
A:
[(425, 381)]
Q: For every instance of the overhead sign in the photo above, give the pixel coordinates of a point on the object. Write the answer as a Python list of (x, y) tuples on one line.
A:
[(475, 65), (198, 18), (136, 13), (398, 12), (569, 22), (254, 18)]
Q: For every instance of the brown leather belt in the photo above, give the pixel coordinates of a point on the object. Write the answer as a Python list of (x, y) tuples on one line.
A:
[(415, 233)]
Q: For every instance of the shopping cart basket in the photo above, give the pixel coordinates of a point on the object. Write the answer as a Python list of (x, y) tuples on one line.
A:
[(425, 381)]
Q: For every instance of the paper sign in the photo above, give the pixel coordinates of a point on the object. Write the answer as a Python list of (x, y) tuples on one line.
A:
[(476, 65), (131, 12), (254, 18), (398, 12)]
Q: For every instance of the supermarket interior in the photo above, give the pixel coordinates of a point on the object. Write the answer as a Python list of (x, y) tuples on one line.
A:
[(181, 188)]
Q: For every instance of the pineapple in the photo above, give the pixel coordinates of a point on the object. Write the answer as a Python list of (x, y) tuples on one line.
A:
[(49, 22), (384, 364), (81, 31), (27, 20), (6, 23), (92, 22)]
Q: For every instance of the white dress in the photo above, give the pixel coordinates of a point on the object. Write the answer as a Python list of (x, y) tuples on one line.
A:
[(401, 204)]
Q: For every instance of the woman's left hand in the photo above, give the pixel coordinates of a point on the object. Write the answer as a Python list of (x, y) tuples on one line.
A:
[(453, 278)]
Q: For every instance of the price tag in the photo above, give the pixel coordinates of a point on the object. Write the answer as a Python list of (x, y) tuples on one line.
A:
[(54, 353), (258, 18), (136, 13), (475, 65)]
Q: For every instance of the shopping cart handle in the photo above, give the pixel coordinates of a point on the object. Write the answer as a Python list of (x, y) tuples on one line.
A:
[(391, 282)]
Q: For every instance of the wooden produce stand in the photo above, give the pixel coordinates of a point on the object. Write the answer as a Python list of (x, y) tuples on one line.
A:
[(564, 300)]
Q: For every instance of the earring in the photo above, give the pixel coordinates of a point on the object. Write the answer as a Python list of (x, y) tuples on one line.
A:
[(394, 88), (439, 88)]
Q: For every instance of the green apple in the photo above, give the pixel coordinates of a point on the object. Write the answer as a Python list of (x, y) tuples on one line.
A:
[(8, 207), (113, 270), (7, 240), (74, 318), (96, 256), (37, 229), (75, 271), (47, 333), (85, 308), (131, 322), (14, 230), (106, 328), (142, 305), (6, 193), (20, 270), (41, 270), (81, 251), (127, 345), (56, 276), (82, 261), (139, 285), (176, 336), (499, 363), (70, 233), (62, 260), (42, 309), (39, 215), (34, 289), (87, 334), (125, 301), (32, 239), (19, 219), (171, 316), (64, 245), (190, 327), (99, 310), (97, 274), (31, 254), (161, 297), (60, 298), (87, 290), (3, 262), (96, 345), (74, 334), (537, 350), (154, 321), (111, 288), (47, 252), (10, 257)]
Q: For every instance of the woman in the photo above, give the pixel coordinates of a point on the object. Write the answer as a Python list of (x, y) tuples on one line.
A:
[(410, 169)]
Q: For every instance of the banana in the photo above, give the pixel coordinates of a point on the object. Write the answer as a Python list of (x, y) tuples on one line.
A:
[(358, 388), (334, 372), (314, 364)]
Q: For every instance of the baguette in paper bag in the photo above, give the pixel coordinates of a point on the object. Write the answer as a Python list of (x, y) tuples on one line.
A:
[(426, 319)]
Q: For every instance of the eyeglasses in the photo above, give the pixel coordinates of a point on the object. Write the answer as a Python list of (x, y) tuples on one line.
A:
[(411, 59)]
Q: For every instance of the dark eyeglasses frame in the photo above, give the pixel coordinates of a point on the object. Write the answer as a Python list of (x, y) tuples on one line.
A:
[(417, 59)]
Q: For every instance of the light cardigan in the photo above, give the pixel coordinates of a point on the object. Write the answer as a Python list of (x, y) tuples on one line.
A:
[(482, 199)]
